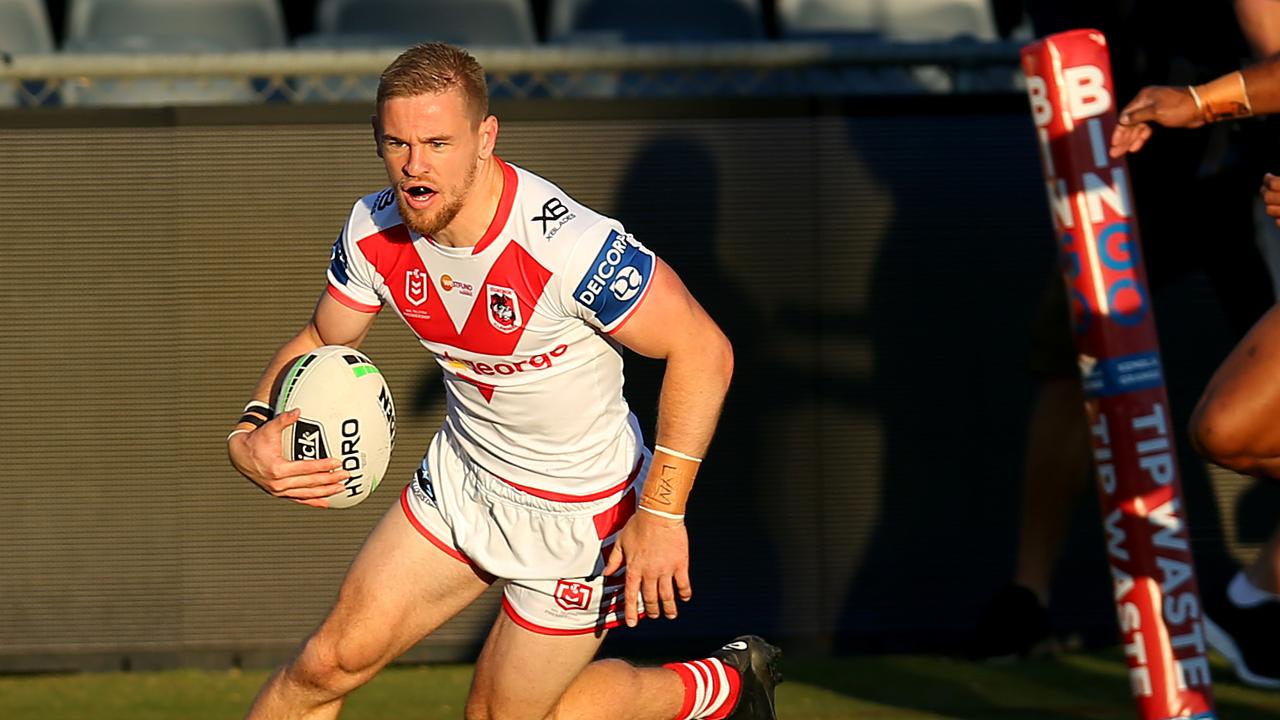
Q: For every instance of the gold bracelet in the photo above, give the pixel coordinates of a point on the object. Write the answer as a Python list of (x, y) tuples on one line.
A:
[(1196, 96)]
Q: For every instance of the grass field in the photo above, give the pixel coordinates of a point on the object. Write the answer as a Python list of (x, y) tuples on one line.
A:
[(1071, 687)]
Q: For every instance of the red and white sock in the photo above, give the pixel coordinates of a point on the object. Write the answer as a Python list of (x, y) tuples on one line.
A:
[(710, 689)]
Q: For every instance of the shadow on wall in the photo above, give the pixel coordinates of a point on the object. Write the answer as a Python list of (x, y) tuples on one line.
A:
[(948, 318), (877, 279), (668, 200)]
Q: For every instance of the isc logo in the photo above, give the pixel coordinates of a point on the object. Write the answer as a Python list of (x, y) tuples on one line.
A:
[(1085, 89), (308, 441)]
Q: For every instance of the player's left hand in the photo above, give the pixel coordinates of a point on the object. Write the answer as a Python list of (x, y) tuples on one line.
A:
[(1160, 104), (1271, 195), (656, 553)]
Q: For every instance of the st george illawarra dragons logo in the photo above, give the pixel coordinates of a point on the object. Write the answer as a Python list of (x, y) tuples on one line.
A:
[(504, 308)]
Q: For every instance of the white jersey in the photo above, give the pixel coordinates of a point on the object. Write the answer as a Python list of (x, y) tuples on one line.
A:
[(519, 324)]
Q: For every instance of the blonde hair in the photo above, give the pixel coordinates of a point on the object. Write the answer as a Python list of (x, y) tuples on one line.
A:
[(434, 68)]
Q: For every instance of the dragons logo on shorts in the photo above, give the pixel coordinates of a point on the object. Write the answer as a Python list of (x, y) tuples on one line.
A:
[(572, 595), (504, 308)]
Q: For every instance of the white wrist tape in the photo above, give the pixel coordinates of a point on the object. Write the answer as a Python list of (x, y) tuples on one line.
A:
[(259, 407), (677, 453), (661, 514)]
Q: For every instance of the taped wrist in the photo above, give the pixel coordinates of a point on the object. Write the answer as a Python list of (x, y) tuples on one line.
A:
[(256, 413), (671, 476), (1223, 99)]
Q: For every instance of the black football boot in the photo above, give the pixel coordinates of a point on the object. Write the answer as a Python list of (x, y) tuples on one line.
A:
[(757, 664)]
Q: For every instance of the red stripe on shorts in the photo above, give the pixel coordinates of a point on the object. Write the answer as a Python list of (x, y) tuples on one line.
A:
[(422, 529), (532, 626), (565, 497), (611, 521)]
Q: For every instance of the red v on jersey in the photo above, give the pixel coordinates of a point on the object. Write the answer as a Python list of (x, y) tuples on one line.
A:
[(509, 331), (502, 306)]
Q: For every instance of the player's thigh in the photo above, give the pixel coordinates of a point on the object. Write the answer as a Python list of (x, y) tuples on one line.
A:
[(521, 674), (400, 587), (1237, 411)]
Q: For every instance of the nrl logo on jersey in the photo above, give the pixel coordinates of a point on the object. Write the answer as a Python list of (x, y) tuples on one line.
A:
[(504, 308), (415, 286)]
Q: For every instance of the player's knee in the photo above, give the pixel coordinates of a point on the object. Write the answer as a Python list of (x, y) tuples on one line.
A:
[(333, 668), (1222, 436)]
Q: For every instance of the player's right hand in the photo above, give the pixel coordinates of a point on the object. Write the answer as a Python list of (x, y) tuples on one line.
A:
[(1160, 104), (656, 554), (1271, 195), (257, 456)]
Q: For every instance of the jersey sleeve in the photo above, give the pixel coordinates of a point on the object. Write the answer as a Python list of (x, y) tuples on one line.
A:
[(607, 276), (352, 280)]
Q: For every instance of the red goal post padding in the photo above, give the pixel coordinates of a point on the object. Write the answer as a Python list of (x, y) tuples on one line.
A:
[(1073, 103)]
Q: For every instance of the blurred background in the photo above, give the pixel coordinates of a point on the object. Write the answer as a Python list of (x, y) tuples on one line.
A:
[(851, 187)]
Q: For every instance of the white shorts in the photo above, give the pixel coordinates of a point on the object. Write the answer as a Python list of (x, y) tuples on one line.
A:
[(551, 547)]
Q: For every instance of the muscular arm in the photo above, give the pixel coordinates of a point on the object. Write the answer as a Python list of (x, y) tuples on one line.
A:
[(257, 454), (671, 325)]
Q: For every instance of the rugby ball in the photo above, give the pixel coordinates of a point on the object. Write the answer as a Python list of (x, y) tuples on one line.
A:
[(347, 413)]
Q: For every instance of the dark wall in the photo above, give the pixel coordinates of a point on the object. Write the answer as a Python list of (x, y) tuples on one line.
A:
[(875, 263)]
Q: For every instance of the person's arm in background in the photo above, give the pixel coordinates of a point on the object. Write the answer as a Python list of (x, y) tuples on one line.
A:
[(1260, 23), (1254, 90)]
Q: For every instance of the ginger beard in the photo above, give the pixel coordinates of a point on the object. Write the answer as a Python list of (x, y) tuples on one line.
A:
[(449, 201)]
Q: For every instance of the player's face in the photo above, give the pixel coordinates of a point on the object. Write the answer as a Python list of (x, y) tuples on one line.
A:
[(430, 146)]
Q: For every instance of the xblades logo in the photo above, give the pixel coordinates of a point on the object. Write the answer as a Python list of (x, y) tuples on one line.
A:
[(423, 488), (552, 210)]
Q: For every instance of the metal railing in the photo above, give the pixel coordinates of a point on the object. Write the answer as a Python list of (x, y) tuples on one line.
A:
[(301, 76)]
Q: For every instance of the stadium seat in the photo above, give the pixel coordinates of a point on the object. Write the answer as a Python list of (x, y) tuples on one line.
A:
[(169, 26), (895, 20), (939, 20), (174, 25), (24, 29), (658, 21), (399, 23), (829, 18)]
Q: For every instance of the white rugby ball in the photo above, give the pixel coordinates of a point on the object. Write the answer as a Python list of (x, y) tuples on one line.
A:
[(347, 413)]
